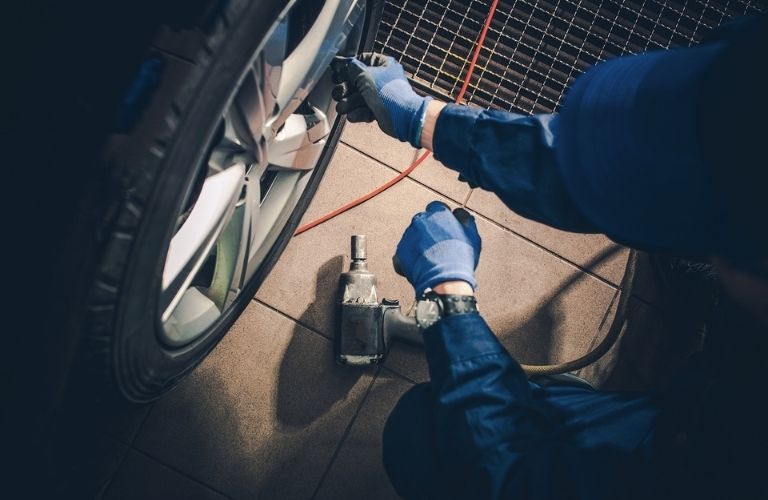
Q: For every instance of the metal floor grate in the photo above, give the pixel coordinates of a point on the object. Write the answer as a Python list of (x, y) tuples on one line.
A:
[(535, 48)]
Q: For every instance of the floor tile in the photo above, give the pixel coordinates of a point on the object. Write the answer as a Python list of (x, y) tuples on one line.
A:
[(142, 477), (590, 251), (368, 138), (303, 283), (358, 471), (408, 361), (262, 416)]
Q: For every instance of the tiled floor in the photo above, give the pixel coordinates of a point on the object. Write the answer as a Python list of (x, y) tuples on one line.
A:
[(269, 414)]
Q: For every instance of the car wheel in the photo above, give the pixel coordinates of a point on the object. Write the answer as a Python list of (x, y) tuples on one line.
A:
[(205, 188)]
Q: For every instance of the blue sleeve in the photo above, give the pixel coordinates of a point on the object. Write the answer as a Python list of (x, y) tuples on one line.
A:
[(500, 437), (512, 156)]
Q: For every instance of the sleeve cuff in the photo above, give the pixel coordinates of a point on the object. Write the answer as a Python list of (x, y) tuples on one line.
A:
[(452, 143), (458, 338)]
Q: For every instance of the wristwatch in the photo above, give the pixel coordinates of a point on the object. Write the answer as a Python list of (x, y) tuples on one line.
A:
[(432, 307)]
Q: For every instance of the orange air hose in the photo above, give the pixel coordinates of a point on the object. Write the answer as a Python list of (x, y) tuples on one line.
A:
[(420, 159), (619, 323)]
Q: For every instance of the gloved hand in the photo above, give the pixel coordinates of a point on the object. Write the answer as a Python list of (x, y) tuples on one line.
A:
[(375, 86), (439, 246)]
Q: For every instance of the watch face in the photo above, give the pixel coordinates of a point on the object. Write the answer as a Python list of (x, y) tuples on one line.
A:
[(427, 313)]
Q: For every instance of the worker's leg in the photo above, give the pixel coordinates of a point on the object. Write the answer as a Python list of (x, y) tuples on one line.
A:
[(409, 450)]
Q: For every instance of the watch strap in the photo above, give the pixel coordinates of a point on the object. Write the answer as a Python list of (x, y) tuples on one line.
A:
[(458, 304), (453, 304)]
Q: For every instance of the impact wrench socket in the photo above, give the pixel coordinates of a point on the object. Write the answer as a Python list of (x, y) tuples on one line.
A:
[(367, 327)]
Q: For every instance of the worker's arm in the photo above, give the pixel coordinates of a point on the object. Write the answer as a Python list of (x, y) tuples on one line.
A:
[(511, 155), (498, 437), (508, 154)]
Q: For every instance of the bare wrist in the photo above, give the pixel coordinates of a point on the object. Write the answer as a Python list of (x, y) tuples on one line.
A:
[(457, 287), (434, 108)]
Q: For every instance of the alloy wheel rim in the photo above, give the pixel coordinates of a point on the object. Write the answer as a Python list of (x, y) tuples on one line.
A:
[(271, 136)]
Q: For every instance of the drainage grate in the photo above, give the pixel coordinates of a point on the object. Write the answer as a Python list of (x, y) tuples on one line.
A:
[(535, 48)]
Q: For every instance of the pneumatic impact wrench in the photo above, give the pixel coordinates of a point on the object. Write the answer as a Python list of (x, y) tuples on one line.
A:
[(367, 326)]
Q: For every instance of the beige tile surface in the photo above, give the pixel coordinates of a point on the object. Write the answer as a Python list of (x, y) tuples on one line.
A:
[(358, 471), (590, 251), (142, 477), (262, 416), (369, 139)]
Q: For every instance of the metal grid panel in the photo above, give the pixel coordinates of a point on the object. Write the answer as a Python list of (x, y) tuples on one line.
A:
[(535, 48)]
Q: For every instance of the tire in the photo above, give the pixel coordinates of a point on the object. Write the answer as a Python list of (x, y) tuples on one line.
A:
[(152, 178)]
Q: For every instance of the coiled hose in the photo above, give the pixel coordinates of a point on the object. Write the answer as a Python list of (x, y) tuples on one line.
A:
[(618, 325)]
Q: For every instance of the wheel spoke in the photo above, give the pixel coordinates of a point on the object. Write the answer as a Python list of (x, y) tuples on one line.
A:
[(227, 251), (269, 68), (233, 246), (272, 214), (248, 113), (236, 146), (300, 142), (309, 60), (192, 315), (196, 237)]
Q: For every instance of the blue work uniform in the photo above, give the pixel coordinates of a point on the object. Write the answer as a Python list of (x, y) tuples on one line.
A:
[(479, 428)]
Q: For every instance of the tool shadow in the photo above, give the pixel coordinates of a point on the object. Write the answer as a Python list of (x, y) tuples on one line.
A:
[(310, 383)]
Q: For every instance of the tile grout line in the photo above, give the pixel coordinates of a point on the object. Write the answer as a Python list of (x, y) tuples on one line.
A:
[(180, 472), (141, 425), (430, 188), (128, 447), (493, 222), (346, 433), (103, 491), (399, 375), (291, 318), (547, 250)]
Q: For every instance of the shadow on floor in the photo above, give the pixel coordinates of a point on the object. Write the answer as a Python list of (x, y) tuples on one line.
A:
[(299, 402), (538, 339)]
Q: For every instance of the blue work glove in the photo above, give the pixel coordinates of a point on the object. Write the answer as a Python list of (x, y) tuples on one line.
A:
[(439, 246), (375, 86)]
